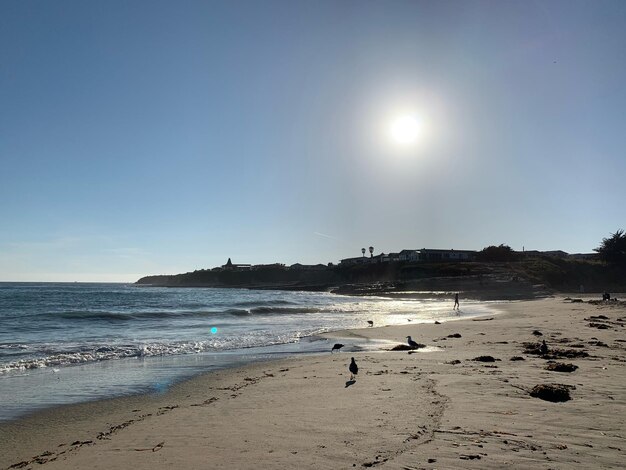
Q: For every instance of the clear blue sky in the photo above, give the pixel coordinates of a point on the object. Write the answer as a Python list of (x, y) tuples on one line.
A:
[(149, 137)]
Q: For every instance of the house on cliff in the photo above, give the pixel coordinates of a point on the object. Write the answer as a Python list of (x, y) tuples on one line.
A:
[(413, 256), (230, 266), (355, 261), (429, 254)]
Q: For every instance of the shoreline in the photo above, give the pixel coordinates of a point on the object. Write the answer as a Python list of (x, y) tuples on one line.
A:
[(58, 385), (402, 410)]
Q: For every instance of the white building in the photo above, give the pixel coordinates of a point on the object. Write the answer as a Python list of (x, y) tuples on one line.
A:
[(409, 255)]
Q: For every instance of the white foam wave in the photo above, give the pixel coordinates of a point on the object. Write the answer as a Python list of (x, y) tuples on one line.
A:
[(81, 354)]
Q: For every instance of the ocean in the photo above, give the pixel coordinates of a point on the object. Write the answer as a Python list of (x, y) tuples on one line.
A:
[(63, 343)]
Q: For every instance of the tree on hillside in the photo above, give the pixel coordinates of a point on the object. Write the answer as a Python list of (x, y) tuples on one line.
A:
[(613, 249), (496, 253)]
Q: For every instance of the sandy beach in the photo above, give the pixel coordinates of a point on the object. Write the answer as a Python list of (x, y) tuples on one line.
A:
[(436, 407)]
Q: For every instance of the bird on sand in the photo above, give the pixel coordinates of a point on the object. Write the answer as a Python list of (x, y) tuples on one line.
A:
[(544, 347), (370, 322), (412, 343), (337, 346), (353, 368)]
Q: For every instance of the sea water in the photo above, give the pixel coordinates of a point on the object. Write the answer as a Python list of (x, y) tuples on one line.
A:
[(65, 343)]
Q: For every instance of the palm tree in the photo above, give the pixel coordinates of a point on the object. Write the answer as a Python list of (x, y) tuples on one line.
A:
[(371, 251), (363, 251), (613, 249)]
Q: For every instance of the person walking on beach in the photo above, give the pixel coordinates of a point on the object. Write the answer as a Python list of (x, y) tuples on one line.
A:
[(456, 301)]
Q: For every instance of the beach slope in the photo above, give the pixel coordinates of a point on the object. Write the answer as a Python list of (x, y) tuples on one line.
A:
[(462, 402)]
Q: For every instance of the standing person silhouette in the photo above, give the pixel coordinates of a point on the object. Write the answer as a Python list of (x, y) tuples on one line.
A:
[(456, 301)]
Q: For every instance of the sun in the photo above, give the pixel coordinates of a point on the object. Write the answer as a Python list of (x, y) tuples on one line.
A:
[(405, 130)]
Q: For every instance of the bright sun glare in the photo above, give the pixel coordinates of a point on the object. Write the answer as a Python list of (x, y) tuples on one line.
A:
[(405, 130)]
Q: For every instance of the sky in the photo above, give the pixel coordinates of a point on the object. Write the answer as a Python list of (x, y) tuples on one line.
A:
[(160, 137)]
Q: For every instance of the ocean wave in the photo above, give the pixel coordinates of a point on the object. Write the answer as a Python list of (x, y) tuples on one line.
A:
[(237, 311), (155, 315), (56, 356), (13, 350), (86, 315), (13, 346), (255, 303), (135, 315), (280, 310)]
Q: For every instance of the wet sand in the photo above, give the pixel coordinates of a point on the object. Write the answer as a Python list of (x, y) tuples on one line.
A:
[(433, 408)]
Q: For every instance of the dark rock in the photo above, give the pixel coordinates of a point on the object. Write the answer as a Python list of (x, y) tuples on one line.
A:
[(406, 347), (537, 333), (455, 335), (485, 359), (553, 353), (453, 362), (437, 323), (517, 358), (561, 367), (532, 348), (570, 353), (551, 392), (599, 326)]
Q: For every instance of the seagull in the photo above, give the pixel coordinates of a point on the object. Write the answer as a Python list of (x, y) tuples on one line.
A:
[(371, 322), (412, 343), (337, 346), (353, 368), (544, 347)]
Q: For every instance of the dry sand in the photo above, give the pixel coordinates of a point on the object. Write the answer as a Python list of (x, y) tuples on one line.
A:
[(405, 411)]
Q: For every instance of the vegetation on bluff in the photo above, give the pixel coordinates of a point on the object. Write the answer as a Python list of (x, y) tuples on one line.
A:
[(612, 250), (497, 253)]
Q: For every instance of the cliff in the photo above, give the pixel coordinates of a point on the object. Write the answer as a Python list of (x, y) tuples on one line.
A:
[(519, 279)]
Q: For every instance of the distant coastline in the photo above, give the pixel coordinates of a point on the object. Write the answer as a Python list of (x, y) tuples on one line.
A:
[(528, 278)]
